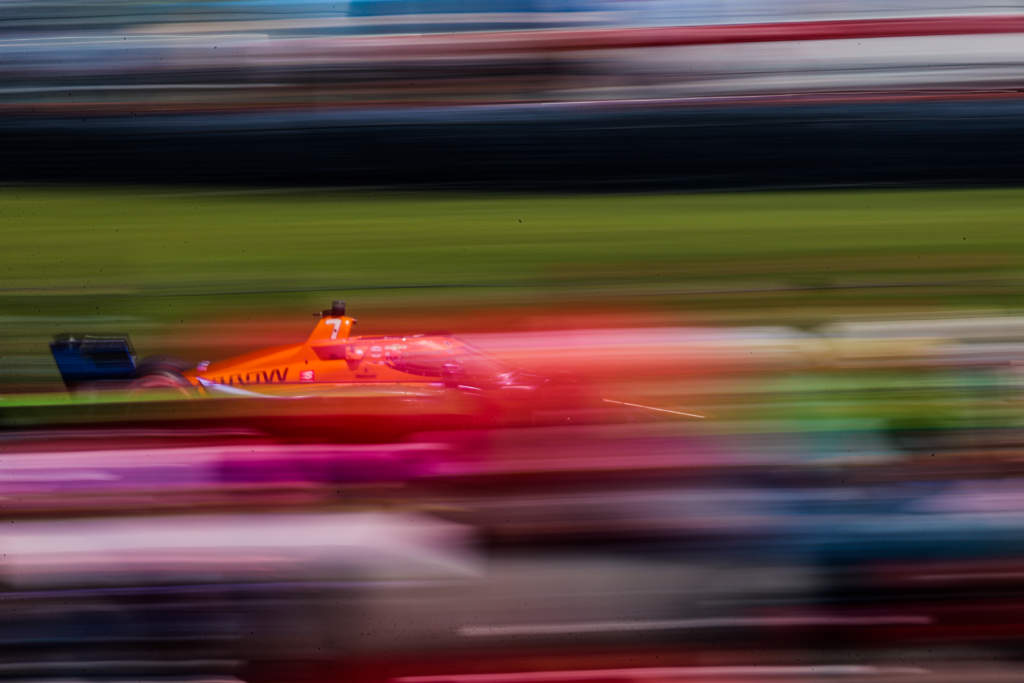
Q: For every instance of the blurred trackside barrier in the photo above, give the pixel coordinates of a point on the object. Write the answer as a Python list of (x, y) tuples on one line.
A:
[(565, 40)]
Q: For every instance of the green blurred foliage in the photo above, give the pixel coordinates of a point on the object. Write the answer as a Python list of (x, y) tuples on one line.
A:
[(179, 241), (155, 260)]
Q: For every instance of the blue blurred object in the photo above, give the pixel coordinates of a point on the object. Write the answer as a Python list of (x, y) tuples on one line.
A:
[(89, 358)]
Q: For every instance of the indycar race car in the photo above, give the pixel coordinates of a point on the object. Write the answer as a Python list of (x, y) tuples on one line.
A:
[(329, 362)]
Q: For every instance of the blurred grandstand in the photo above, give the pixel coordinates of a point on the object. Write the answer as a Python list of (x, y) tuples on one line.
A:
[(254, 54), (237, 90)]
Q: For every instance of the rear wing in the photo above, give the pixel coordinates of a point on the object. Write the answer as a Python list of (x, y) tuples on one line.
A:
[(91, 358)]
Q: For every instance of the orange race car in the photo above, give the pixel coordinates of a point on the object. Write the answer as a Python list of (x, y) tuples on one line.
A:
[(329, 362)]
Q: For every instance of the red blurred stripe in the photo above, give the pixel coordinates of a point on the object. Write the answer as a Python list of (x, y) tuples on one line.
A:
[(791, 30), (525, 43), (558, 40)]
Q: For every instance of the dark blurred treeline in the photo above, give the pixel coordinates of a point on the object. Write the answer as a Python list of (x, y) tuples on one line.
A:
[(536, 146)]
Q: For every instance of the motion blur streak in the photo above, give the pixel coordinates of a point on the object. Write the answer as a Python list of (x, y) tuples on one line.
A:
[(660, 410), (854, 493), (113, 87), (652, 341), (662, 674)]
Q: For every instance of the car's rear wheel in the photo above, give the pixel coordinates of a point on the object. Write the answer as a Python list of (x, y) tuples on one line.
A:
[(164, 374), (163, 381)]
